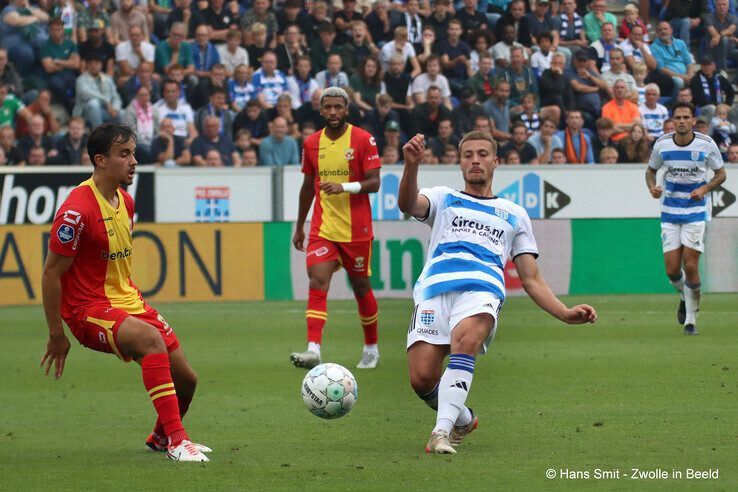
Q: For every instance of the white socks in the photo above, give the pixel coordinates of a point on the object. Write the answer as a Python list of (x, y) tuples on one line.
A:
[(452, 392), (371, 348), (678, 282), (314, 347), (692, 294)]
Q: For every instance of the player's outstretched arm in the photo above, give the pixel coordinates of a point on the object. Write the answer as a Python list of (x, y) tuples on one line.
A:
[(307, 193), (58, 345), (538, 290), (409, 200)]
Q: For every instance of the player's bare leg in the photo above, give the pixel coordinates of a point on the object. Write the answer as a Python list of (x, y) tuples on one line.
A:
[(673, 264), (185, 383), (692, 289), (144, 344), (368, 315), (319, 276)]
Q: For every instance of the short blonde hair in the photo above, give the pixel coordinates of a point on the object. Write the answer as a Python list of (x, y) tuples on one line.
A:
[(476, 135), (608, 152), (258, 27), (640, 68)]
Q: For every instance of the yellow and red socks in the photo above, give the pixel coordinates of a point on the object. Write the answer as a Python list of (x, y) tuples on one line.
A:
[(158, 382), (316, 315), (453, 390), (369, 317)]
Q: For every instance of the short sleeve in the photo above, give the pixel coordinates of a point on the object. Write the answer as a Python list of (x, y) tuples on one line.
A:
[(370, 155), (308, 166), (66, 231), (523, 241), (714, 158), (655, 162), (435, 197)]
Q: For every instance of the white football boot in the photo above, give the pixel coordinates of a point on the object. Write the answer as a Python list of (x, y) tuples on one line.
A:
[(160, 445), (369, 360), (186, 451), (439, 444), (307, 359)]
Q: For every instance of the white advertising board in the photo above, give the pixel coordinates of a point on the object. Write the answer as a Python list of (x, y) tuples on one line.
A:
[(546, 192), (214, 195)]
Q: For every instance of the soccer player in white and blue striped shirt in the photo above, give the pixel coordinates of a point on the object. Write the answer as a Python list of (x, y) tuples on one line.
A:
[(686, 155), (461, 289)]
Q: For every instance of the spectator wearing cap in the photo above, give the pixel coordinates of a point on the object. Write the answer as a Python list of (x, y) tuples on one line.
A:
[(672, 59), (427, 114), (332, 76), (709, 88), (515, 16), (571, 27), (653, 114), (684, 16), (501, 50), (210, 139), (60, 62), (22, 32), (97, 45), (623, 113), (217, 107), (88, 17), (325, 46), (720, 27), (455, 57), (222, 19), (97, 100), (205, 54), (175, 51), (596, 18), (586, 85), (518, 143), (390, 137), (269, 82), (131, 53), (144, 77), (577, 145), (123, 19), (260, 13), (70, 149), (190, 17), (278, 149), (377, 119), (290, 50), (521, 78), (402, 47), (169, 149), (466, 112)]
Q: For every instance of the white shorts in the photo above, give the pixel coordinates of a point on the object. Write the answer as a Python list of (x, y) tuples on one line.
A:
[(434, 319), (691, 235)]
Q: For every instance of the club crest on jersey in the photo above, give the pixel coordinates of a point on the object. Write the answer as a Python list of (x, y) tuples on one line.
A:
[(695, 155), (501, 213), (349, 154), (359, 263), (65, 233), (427, 316)]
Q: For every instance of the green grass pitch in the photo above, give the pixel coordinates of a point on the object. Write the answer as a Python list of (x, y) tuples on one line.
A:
[(628, 392)]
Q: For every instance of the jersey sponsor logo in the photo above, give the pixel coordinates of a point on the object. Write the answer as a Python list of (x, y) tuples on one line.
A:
[(73, 217), (212, 204), (539, 198), (426, 331), (462, 224), (721, 199), (322, 251), (335, 172), (427, 316), (104, 219), (683, 171), (65, 233), (116, 255), (372, 141)]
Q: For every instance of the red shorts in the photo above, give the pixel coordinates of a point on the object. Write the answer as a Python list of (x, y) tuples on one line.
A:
[(355, 257), (97, 328)]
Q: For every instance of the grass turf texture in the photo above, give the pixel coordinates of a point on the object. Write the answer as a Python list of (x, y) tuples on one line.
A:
[(630, 391)]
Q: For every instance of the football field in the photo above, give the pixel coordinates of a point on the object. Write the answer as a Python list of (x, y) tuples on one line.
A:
[(630, 392)]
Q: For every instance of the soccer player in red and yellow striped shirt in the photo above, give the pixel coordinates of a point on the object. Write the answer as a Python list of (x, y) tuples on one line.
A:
[(341, 165), (87, 283)]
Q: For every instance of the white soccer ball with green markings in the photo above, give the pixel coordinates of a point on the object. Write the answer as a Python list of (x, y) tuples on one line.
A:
[(329, 391)]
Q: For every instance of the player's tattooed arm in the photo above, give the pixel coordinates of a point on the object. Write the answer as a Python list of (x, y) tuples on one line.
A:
[(538, 290), (651, 183), (716, 181), (409, 200)]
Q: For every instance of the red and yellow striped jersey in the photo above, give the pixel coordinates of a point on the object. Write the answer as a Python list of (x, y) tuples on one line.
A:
[(99, 237), (344, 217)]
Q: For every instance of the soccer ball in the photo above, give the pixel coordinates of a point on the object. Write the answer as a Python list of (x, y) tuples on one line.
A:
[(329, 391)]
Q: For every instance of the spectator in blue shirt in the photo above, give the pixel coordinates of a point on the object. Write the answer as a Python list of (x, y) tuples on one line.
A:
[(672, 58), (204, 52), (278, 149)]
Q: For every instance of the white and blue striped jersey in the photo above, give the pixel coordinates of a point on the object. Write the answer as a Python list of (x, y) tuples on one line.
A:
[(686, 170), (272, 87), (471, 240)]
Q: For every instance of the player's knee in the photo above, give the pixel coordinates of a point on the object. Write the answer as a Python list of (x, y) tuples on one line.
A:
[(423, 382), (317, 283), (187, 384), (151, 342), (361, 288)]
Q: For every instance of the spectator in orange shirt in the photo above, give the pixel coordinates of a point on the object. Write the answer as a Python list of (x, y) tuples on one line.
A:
[(621, 111)]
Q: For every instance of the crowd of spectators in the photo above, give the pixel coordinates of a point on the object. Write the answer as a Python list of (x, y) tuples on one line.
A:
[(238, 83)]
